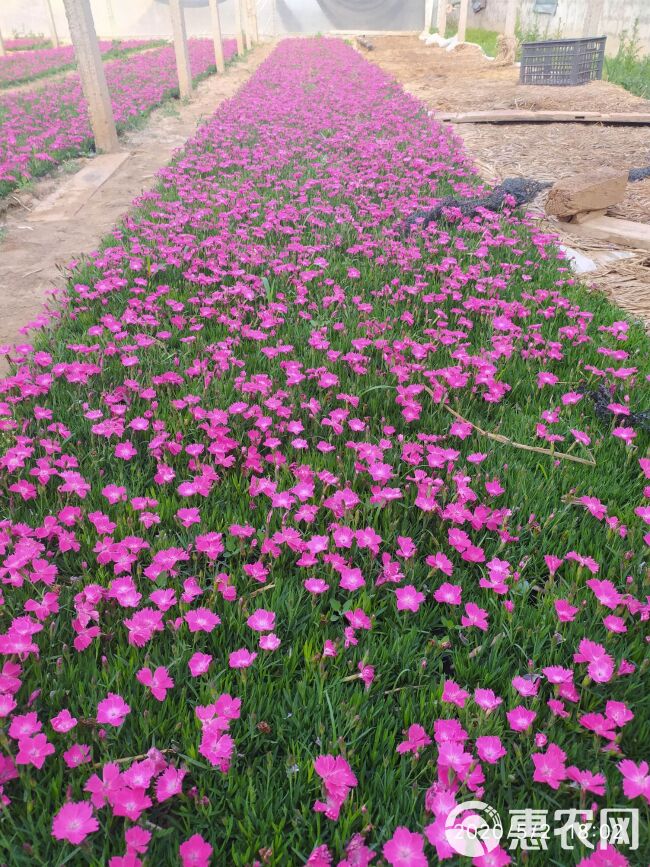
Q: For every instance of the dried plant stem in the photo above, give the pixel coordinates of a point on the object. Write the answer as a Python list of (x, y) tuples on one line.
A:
[(500, 438)]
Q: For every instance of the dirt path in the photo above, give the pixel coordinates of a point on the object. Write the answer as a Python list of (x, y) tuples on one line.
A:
[(464, 80), (34, 254)]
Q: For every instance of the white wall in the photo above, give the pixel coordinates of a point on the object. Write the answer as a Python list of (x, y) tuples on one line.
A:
[(575, 18), (114, 18)]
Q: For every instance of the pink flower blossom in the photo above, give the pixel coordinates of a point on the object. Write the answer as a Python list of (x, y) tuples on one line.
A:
[(405, 849), (74, 822), (112, 710), (195, 852), (409, 598)]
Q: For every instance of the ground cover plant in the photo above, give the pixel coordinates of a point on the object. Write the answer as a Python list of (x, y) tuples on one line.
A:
[(19, 67), (40, 127), (27, 42), (629, 67), (316, 527)]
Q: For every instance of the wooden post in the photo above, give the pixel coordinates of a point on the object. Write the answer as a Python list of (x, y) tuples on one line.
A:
[(428, 16), (50, 16), (3, 50), (245, 24), (216, 36), (111, 19), (239, 36), (255, 35), (442, 17), (507, 42), (91, 72), (511, 18), (180, 48), (462, 20)]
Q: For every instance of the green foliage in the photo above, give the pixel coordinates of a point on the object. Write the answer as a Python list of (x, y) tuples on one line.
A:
[(628, 68)]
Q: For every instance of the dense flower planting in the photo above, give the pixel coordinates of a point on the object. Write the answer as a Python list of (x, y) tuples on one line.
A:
[(25, 65), (271, 594), (42, 126), (27, 43)]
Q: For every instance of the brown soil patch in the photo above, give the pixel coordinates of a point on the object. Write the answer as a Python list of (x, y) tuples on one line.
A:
[(464, 80)]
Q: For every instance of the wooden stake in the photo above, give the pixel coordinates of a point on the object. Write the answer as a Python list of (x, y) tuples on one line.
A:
[(216, 36), (255, 35), (462, 20), (245, 24), (239, 36), (91, 72), (180, 47), (50, 16), (442, 17), (428, 15), (511, 18)]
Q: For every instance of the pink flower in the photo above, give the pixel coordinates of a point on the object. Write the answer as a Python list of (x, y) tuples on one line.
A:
[(605, 857), (316, 585), (74, 822), (338, 779), (158, 682), (125, 451), (201, 620), (270, 641), (199, 663), (262, 620), (78, 754), (409, 598), (565, 613), (416, 739), (63, 722), (520, 719), (448, 593), (112, 710), (636, 779), (405, 849), (490, 749), (169, 783), (587, 781), (195, 852), (618, 712), (549, 766), (34, 751), (241, 658), (453, 694), (475, 616), (496, 858), (486, 699)]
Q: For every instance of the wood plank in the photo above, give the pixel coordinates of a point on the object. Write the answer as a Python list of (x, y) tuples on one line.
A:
[(625, 232), (74, 192), (522, 116)]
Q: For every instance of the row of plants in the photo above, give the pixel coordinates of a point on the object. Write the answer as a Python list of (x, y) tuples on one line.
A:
[(28, 65), (43, 126), (319, 526)]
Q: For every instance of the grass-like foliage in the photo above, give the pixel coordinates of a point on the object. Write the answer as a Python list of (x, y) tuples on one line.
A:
[(629, 67), (270, 591)]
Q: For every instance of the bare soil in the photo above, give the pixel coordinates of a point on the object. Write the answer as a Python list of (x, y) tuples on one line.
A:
[(464, 80)]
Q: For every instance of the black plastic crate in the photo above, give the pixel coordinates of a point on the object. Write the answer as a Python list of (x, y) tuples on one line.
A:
[(562, 62)]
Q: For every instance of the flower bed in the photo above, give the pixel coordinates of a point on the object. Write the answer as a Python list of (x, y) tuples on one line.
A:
[(25, 65), (315, 530), (41, 127), (27, 43)]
